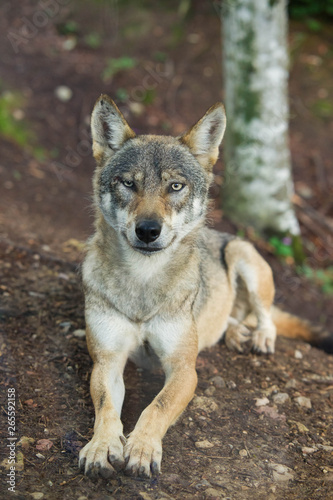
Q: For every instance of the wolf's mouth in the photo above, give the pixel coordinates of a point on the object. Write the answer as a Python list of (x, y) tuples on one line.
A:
[(147, 250)]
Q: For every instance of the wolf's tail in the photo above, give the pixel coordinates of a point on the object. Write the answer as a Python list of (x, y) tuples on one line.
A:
[(291, 326)]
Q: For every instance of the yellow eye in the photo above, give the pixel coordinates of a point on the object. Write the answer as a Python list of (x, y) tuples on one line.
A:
[(177, 186), (128, 184)]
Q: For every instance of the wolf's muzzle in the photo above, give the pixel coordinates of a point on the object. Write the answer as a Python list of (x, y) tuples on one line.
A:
[(148, 230)]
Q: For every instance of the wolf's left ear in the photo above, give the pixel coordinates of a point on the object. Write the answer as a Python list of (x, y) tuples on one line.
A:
[(204, 138), (109, 128)]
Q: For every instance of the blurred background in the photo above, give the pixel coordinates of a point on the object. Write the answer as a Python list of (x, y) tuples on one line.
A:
[(162, 64)]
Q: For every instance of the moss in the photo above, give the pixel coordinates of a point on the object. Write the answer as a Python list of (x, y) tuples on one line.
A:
[(248, 101)]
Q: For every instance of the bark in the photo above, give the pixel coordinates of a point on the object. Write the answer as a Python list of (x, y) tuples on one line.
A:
[(258, 184)]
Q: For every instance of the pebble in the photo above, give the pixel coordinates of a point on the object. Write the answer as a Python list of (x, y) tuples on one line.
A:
[(325, 447), (202, 484), (243, 453), (281, 398), (298, 354), (231, 384), (302, 429), (210, 391), (213, 493), (307, 451), (262, 401), (63, 93), (281, 473), (204, 403), (291, 384), (65, 326), (303, 401), (79, 333), (218, 382), (204, 444), (37, 495)]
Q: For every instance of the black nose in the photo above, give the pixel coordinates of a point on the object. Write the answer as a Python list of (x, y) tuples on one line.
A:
[(148, 230)]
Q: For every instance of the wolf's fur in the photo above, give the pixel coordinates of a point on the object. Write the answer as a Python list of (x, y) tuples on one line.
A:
[(158, 283)]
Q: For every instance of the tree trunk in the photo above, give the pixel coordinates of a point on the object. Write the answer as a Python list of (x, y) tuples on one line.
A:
[(258, 185)]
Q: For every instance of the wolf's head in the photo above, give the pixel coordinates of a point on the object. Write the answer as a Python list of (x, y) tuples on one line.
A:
[(153, 190)]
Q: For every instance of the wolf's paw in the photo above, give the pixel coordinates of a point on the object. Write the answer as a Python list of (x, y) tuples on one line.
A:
[(143, 455), (102, 457), (263, 340), (235, 336)]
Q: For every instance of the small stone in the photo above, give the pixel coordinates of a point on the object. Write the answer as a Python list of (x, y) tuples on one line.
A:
[(80, 334), (303, 401), (65, 326), (63, 93), (281, 398), (307, 451), (281, 473), (243, 453), (218, 382), (202, 484), (145, 495), (262, 401), (302, 429), (231, 384), (37, 495), (204, 444), (298, 354), (210, 391), (204, 403), (279, 478), (213, 493), (325, 447), (137, 108), (39, 455), (291, 384), (69, 43), (44, 445)]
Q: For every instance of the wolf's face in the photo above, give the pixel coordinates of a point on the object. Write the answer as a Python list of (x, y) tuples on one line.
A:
[(153, 189)]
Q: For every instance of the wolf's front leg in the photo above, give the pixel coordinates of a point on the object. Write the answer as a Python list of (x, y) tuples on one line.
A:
[(143, 450), (109, 338), (103, 455)]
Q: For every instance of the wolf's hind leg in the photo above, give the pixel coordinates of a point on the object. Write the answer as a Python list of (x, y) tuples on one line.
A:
[(244, 262)]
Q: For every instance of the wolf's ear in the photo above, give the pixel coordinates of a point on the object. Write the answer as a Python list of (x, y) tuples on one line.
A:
[(204, 138), (109, 128)]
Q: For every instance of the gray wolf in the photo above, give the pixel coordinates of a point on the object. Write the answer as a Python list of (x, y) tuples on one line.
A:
[(159, 285)]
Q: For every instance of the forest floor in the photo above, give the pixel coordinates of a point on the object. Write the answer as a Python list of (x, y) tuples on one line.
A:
[(227, 444)]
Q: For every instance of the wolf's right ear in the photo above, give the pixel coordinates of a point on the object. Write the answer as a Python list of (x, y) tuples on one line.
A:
[(109, 128)]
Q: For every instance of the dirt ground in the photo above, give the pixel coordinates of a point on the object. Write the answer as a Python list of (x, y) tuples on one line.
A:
[(231, 442)]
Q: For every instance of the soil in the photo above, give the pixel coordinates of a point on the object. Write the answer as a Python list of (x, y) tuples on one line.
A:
[(223, 446)]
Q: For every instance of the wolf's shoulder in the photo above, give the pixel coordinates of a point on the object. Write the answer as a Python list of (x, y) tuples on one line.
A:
[(213, 243)]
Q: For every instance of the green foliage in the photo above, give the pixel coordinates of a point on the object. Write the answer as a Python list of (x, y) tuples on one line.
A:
[(323, 108), (160, 56), (11, 128), (300, 9), (93, 40), (122, 95), (283, 247), (288, 246), (321, 277), (68, 28), (114, 66)]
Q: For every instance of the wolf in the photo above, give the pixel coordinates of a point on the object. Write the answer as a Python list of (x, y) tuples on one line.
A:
[(159, 285)]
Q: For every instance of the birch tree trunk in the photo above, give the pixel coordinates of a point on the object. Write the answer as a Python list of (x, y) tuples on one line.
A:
[(258, 184)]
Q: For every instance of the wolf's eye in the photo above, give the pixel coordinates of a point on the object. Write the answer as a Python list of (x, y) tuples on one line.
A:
[(177, 186), (128, 184)]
